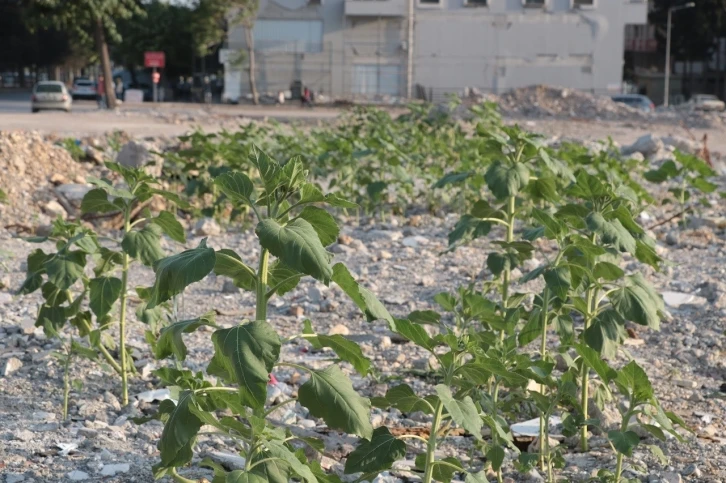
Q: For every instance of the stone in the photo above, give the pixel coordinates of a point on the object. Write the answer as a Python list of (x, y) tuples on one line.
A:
[(645, 145), (14, 478), (534, 445), (672, 238), (88, 433), (296, 310), (685, 145), (27, 326), (78, 475), (341, 249), (344, 239), (385, 255), (94, 155), (114, 469), (691, 470), (57, 178), (678, 299), (229, 287), (154, 395), (671, 477), (686, 383), (74, 193), (339, 329), (55, 209), (43, 416), (137, 155), (11, 365), (229, 461), (23, 435), (414, 241), (207, 227), (5, 298), (112, 401)]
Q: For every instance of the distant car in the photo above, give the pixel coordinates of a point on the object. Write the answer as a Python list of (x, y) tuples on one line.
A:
[(50, 95), (707, 102), (636, 101), (83, 89)]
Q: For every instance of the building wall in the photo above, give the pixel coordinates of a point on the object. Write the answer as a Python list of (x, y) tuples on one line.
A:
[(456, 45)]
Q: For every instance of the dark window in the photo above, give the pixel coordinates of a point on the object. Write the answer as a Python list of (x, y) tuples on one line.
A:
[(49, 88), (584, 3), (429, 2), (477, 3), (534, 3)]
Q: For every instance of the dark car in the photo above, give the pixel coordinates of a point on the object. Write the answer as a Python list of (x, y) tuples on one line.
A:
[(636, 101)]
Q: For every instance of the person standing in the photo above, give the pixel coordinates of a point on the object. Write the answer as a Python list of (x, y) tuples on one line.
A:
[(119, 89), (101, 92)]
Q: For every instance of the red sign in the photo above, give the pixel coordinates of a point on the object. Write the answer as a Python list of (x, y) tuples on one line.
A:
[(155, 77), (154, 59)]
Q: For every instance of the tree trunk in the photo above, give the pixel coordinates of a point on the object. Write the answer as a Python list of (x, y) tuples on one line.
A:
[(105, 64), (249, 38)]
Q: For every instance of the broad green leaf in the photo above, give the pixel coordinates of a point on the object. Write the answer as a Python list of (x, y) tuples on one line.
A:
[(34, 273), (558, 280), (280, 451), (634, 378), (175, 273), (283, 278), (144, 244), (377, 454), (329, 394), (105, 261), (103, 293), (612, 232), (703, 185), (180, 431), (452, 178), (605, 333), (608, 271), (53, 295), (544, 188), (505, 180), (96, 201), (405, 400), (553, 227), (228, 264), (170, 338), (479, 477), (347, 350), (624, 442), (237, 186), (64, 268), (463, 412), (424, 317), (636, 303), (322, 475), (592, 360), (322, 222), (482, 209), (495, 455), (415, 333), (468, 228), (170, 226), (362, 297), (499, 262), (667, 170), (248, 353), (297, 245)]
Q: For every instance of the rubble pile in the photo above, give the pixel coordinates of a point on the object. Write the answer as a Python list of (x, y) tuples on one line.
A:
[(30, 167)]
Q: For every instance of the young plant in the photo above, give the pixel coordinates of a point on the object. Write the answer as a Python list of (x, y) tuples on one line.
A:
[(294, 230), (57, 274)]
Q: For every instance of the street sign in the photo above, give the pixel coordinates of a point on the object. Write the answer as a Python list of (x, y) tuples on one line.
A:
[(154, 59)]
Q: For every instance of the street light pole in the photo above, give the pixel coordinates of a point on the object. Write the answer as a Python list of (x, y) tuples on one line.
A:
[(667, 86)]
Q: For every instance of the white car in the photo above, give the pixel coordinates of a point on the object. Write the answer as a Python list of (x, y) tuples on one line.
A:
[(707, 102), (83, 89), (50, 95)]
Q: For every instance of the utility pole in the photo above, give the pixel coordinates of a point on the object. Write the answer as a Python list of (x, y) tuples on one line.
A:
[(667, 87), (409, 50)]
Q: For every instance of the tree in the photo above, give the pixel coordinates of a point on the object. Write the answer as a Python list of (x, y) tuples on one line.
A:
[(246, 15), (87, 19)]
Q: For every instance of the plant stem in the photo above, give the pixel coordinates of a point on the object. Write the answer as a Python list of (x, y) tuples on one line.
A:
[(542, 355), (261, 312), (431, 448), (178, 478), (66, 379), (122, 318), (495, 437), (508, 270), (619, 468), (585, 376)]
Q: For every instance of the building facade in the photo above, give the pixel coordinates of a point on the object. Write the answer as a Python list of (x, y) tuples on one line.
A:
[(400, 48)]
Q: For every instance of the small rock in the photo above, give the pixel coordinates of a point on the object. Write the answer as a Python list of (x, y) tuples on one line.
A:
[(533, 476), (344, 239), (23, 435), (339, 329), (12, 365), (57, 178), (296, 310), (229, 287), (677, 299), (112, 401), (88, 433), (207, 227), (114, 469), (5, 298), (78, 475), (414, 241), (43, 416), (686, 383), (385, 255), (645, 145), (671, 477), (230, 461), (426, 281), (74, 193), (5, 282), (340, 249), (692, 470), (14, 478), (672, 238), (54, 209)]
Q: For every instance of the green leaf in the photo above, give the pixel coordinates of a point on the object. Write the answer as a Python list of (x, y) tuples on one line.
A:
[(279, 450), (468, 228), (452, 178), (443, 469), (624, 442), (64, 268), (499, 262), (608, 271), (179, 432), (144, 244), (558, 280), (482, 209), (505, 180), (377, 454), (170, 338), (612, 232), (282, 277), (171, 226), (592, 359), (323, 222), (175, 273), (463, 412), (362, 297), (237, 186), (424, 317), (605, 333), (405, 400), (228, 264), (495, 455), (297, 245), (34, 273), (329, 394), (415, 333), (544, 188), (633, 378), (348, 351), (703, 185), (96, 201), (638, 302), (103, 293), (247, 353)]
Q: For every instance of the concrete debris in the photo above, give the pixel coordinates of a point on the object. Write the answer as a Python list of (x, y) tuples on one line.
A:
[(678, 299), (11, 365), (140, 155), (207, 227)]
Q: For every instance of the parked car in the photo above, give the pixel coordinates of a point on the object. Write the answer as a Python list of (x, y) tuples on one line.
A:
[(50, 95), (83, 88), (636, 101), (707, 102)]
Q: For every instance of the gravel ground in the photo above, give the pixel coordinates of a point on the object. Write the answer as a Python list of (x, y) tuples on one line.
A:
[(400, 262)]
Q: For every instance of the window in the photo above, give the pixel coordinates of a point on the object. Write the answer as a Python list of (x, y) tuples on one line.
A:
[(583, 3), (372, 79), (476, 3), (295, 36), (55, 88), (534, 3), (429, 2)]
